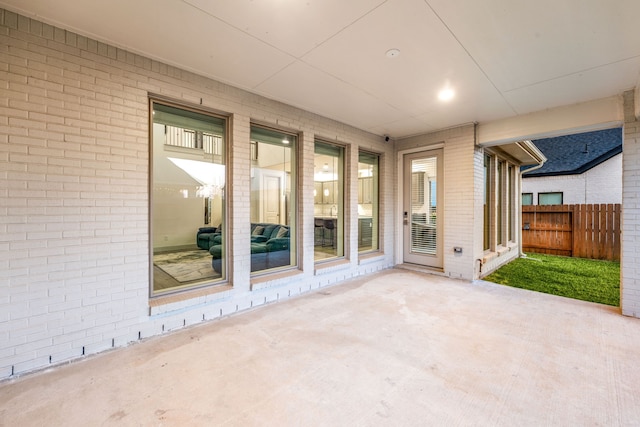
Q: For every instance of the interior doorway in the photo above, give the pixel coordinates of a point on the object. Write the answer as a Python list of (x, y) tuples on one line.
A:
[(271, 196), (422, 208)]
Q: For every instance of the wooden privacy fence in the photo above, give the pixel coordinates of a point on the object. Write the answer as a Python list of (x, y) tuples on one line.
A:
[(582, 231)]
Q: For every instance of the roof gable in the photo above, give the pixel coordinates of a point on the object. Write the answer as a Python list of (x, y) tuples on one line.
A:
[(577, 153)]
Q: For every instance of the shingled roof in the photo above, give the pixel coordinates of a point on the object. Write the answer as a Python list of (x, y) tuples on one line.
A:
[(576, 154)]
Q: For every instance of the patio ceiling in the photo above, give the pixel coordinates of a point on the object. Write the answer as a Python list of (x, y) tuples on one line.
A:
[(331, 57)]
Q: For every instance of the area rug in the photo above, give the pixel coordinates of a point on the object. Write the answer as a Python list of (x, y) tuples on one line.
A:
[(186, 266)]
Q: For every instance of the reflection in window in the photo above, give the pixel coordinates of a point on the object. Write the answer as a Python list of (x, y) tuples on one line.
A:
[(328, 201), (187, 199), (368, 201), (273, 199)]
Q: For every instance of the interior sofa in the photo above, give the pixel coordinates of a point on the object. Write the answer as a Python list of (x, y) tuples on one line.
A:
[(208, 236), (269, 247)]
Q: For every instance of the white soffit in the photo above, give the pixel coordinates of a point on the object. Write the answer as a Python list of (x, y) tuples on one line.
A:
[(593, 115), (502, 58), (294, 27), (171, 32), (524, 43), (312, 92), (430, 58)]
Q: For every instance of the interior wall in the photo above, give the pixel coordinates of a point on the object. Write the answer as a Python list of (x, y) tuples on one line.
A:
[(177, 210)]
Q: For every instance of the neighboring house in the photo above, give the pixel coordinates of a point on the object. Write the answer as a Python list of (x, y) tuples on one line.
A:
[(584, 168)]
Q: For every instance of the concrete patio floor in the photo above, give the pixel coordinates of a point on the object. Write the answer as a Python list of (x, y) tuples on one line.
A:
[(398, 348)]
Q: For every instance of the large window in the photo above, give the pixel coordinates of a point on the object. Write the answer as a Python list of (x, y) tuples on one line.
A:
[(273, 199), (187, 198), (550, 198), (499, 206), (368, 201), (487, 202), (328, 201)]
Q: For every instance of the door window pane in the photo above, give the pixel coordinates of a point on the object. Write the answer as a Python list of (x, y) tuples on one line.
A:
[(368, 201), (424, 213), (328, 201), (187, 198), (273, 199)]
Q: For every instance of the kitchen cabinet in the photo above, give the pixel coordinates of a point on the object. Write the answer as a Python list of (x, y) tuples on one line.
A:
[(329, 190), (317, 193), (365, 190)]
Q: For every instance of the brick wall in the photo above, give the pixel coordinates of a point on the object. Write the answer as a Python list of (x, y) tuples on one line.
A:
[(630, 254), (74, 203)]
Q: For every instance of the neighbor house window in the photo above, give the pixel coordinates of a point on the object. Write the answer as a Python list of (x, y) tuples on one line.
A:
[(368, 201), (328, 196), (527, 199), (273, 199), (188, 178), (550, 198), (499, 207)]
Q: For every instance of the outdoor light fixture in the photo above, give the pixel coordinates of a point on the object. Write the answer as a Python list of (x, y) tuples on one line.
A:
[(446, 94)]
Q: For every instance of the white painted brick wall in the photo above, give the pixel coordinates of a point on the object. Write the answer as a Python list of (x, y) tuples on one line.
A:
[(602, 184), (74, 244), (630, 250)]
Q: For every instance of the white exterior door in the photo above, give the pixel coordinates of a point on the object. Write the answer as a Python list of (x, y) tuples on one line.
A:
[(422, 208)]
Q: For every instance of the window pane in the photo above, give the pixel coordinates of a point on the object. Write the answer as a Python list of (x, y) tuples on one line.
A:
[(273, 199), (487, 202), (500, 208), (424, 209), (550, 198), (527, 199), (368, 214), (328, 201), (187, 215), (511, 195)]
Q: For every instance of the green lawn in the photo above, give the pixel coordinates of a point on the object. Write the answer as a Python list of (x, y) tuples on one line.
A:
[(583, 279)]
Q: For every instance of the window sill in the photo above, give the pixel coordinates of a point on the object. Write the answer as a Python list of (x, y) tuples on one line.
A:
[(178, 301), (369, 257), (500, 251), (330, 266), (268, 280)]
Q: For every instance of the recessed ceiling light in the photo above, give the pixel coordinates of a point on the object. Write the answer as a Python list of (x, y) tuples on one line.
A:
[(446, 94), (393, 53)]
